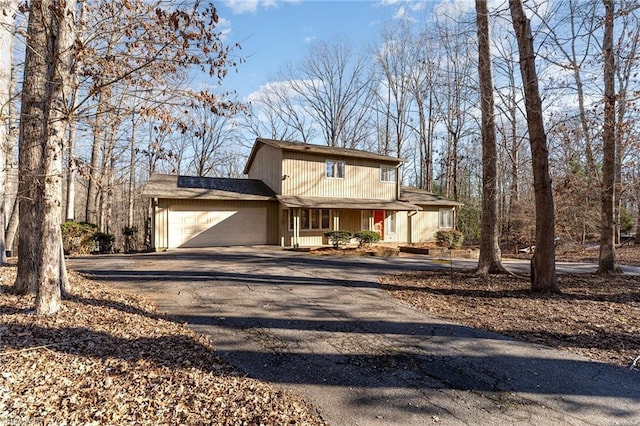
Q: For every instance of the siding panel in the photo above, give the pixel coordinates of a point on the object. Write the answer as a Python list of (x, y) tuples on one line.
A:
[(306, 177)]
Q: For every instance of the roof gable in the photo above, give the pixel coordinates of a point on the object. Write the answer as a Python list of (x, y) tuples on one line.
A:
[(320, 150)]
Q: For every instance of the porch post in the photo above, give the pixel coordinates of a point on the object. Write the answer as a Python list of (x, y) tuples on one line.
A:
[(296, 228), (336, 220)]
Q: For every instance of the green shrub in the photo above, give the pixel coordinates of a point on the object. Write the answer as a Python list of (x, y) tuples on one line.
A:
[(450, 238), (366, 238), (130, 237), (337, 238), (103, 242), (77, 237)]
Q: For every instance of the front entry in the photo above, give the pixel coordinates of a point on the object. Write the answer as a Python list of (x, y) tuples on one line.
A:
[(378, 222)]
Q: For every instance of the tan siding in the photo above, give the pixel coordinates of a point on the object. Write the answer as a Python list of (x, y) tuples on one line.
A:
[(306, 177), (424, 226), (161, 234), (400, 236), (267, 166), (273, 228), (350, 220)]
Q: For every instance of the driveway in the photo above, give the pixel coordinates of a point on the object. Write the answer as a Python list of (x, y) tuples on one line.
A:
[(321, 327)]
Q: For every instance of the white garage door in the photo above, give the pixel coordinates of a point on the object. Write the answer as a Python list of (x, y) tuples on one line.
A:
[(202, 227)]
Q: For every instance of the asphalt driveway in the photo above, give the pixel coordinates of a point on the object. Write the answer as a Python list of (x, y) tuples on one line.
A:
[(320, 326)]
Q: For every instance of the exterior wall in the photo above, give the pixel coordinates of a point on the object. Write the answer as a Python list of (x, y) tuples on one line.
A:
[(161, 225), (267, 166), (424, 225), (402, 229), (306, 176)]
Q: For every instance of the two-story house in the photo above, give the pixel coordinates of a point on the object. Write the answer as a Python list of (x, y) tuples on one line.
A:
[(295, 193)]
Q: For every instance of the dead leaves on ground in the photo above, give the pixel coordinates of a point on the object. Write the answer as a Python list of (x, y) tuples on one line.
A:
[(110, 358), (597, 317)]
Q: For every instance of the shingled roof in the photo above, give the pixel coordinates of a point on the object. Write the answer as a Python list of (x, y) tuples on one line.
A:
[(422, 197), (206, 188), (328, 151)]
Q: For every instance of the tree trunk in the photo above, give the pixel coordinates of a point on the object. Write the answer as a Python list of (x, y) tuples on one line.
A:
[(490, 256), (91, 213), (33, 115), (7, 21), (607, 263), (543, 263), (51, 267), (71, 172)]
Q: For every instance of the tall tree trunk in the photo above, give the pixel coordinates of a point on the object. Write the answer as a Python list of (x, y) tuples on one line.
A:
[(543, 267), (33, 115), (51, 267), (607, 263), (490, 256), (7, 20), (71, 172), (91, 210)]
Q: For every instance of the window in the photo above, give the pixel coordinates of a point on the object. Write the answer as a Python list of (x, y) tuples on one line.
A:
[(335, 169), (390, 222), (388, 173), (445, 218), (326, 218), (312, 219), (366, 220)]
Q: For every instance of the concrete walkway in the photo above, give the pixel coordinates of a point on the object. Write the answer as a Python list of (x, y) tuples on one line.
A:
[(321, 327)]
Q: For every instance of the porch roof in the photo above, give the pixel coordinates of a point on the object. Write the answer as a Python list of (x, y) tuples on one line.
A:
[(292, 201)]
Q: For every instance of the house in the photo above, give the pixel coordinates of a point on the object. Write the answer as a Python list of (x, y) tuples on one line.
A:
[(294, 193)]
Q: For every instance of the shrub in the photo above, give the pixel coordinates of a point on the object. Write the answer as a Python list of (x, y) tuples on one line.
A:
[(77, 237), (366, 238), (451, 238), (337, 238), (103, 242), (130, 237)]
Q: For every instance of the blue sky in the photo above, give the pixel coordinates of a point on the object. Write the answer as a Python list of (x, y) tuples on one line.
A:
[(276, 32)]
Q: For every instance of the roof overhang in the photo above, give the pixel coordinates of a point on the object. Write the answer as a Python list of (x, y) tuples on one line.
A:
[(347, 204)]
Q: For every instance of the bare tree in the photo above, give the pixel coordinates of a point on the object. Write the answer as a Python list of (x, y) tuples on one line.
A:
[(422, 83), (490, 256), (607, 263), (275, 113), (212, 136), (455, 96), (543, 268), (395, 62), (334, 86)]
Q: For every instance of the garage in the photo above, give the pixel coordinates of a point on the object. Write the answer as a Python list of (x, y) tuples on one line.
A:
[(210, 212), (210, 226)]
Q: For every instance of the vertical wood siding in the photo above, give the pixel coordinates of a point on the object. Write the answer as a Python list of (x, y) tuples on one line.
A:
[(424, 226), (307, 177), (267, 166)]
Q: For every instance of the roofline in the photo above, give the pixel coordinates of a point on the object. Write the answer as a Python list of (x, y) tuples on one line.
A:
[(296, 146)]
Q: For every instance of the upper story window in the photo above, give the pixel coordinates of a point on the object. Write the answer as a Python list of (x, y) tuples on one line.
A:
[(335, 169), (388, 173)]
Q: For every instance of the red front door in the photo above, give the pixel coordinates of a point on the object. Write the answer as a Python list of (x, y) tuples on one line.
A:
[(378, 222)]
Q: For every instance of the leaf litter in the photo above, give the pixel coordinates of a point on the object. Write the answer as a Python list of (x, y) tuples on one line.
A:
[(109, 357)]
